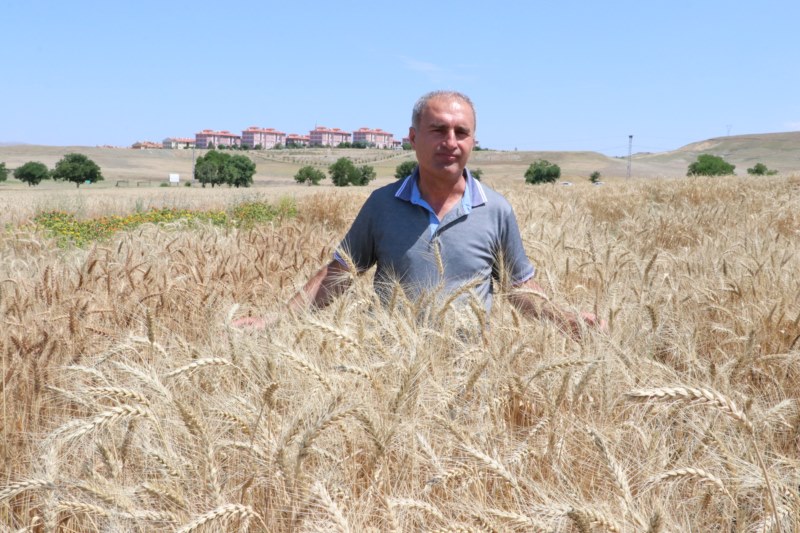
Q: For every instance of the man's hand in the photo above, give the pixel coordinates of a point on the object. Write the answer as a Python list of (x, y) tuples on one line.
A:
[(577, 324), (257, 322)]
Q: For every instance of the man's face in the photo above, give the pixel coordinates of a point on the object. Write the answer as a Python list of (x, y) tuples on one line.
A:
[(444, 138)]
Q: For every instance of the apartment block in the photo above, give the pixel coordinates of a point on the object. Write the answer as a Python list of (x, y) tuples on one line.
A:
[(206, 138), (294, 139), (177, 143), (377, 137), (266, 137), (322, 136)]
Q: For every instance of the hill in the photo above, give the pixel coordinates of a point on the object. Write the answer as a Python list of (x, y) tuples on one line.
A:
[(780, 151)]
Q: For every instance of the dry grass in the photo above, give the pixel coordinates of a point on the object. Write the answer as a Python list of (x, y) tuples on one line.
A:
[(129, 403)]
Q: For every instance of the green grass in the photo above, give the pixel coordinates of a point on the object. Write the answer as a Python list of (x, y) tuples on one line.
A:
[(68, 229)]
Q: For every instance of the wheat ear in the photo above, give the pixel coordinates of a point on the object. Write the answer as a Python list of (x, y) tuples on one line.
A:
[(21, 486), (223, 514), (331, 507), (689, 473), (721, 403)]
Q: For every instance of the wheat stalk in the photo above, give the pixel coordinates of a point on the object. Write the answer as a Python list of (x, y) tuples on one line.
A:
[(200, 363)]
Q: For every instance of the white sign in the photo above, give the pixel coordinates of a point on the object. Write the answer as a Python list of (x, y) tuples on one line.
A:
[(174, 178)]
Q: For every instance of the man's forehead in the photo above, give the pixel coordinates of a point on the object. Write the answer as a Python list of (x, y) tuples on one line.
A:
[(443, 105)]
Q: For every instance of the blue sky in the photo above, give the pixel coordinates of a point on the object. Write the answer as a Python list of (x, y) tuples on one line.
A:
[(569, 75)]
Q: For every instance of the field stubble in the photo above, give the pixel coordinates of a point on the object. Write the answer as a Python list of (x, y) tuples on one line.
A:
[(129, 403)]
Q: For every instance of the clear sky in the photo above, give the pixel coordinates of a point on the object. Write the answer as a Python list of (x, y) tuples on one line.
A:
[(568, 75)]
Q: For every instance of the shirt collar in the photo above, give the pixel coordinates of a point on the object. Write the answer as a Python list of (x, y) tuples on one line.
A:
[(474, 194)]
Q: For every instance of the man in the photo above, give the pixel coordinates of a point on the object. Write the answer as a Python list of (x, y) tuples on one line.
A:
[(439, 228)]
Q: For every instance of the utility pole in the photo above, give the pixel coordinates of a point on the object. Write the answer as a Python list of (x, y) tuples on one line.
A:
[(630, 150)]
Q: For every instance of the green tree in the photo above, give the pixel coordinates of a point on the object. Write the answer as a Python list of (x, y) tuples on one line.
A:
[(594, 177), (3, 172), (405, 169), (407, 146), (365, 174), (239, 171), (760, 169), (309, 175), (542, 171), (210, 168), (78, 169), (477, 173), (32, 173), (343, 172), (710, 165)]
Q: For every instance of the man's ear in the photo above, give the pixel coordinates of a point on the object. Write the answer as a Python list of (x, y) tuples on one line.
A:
[(412, 134)]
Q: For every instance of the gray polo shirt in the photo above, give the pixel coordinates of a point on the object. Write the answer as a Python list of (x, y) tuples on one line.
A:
[(397, 230)]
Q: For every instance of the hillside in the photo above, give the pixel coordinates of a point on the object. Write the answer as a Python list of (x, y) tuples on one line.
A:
[(780, 151)]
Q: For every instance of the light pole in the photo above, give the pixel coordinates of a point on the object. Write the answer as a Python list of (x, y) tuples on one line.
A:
[(630, 149)]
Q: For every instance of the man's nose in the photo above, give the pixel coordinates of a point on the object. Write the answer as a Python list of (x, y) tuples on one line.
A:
[(450, 139)]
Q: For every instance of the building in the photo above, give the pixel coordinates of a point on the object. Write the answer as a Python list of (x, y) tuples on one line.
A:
[(207, 138), (266, 137), (377, 138), (145, 145), (177, 143), (294, 139), (322, 136)]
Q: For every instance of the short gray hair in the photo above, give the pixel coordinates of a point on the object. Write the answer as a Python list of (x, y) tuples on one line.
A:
[(419, 107)]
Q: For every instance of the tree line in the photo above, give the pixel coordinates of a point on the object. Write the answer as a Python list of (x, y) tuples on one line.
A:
[(75, 168), (218, 168)]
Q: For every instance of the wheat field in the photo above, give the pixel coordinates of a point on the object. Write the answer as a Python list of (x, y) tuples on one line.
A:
[(130, 403)]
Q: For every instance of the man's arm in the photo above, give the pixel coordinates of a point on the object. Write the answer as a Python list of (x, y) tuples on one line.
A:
[(532, 300), (319, 291)]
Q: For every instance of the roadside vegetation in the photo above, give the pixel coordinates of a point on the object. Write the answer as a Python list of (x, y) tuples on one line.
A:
[(130, 403)]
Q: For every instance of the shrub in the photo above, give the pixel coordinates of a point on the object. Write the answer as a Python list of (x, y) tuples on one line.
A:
[(710, 165), (594, 177), (760, 169), (343, 172), (542, 171), (3, 172), (477, 173), (365, 174), (309, 175), (405, 169)]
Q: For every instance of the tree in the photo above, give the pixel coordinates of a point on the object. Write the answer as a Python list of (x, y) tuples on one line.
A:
[(760, 169), (32, 173), (217, 168), (78, 169), (404, 169), (309, 175), (343, 172), (3, 172), (239, 171), (365, 174), (594, 177), (710, 165), (477, 173), (542, 171), (210, 168)]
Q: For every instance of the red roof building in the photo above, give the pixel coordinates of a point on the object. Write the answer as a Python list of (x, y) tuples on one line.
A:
[(207, 138), (322, 136), (265, 137), (377, 138)]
